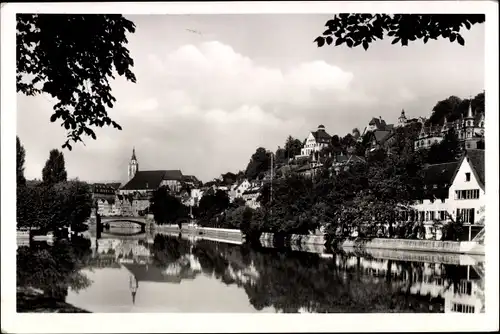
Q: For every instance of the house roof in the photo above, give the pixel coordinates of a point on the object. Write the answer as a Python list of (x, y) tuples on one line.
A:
[(381, 135), (440, 173), (151, 179), (114, 185), (101, 188), (321, 136), (379, 123), (476, 160), (190, 178)]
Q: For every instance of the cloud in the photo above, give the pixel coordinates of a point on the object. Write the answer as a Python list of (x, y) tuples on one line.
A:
[(205, 107)]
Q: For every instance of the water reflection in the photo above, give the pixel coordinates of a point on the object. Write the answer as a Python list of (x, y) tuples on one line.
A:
[(169, 273)]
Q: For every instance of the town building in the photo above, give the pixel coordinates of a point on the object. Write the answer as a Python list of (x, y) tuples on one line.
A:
[(469, 130), (250, 197), (315, 142), (377, 124), (454, 190), (146, 182), (238, 189), (103, 195)]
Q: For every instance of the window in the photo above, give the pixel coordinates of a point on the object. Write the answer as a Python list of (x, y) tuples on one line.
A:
[(442, 215), (462, 308), (467, 194), (466, 215), (467, 175), (465, 288), (431, 215)]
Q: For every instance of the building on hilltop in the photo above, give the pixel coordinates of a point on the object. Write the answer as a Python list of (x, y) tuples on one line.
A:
[(315, 142), (469, 130), (377, 124)]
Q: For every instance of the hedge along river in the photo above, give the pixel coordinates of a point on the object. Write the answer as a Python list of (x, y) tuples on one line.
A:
[(171, 273)]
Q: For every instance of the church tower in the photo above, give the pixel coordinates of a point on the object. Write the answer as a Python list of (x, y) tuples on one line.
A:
[(133, 166), (402, 119)]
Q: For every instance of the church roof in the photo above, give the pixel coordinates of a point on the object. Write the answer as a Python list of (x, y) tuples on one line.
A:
[(151, 179), (151, 273)]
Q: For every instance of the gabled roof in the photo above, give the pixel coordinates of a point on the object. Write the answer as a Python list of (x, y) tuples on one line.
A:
[(381, 135), (101, 188), (114, 185), (379, 123), (190, 178), (440, 173), (321, 136), (151, 179), (476, 160)]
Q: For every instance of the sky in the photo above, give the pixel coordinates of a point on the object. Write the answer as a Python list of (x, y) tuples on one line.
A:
[(204, 102)]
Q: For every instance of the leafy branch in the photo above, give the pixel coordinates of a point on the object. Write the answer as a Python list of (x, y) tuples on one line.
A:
[(354, 30)]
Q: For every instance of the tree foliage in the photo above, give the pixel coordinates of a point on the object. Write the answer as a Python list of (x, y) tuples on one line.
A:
[(260, 162), (453, 108), (20, 159), (166, 208), (211, 206), (73, 58), (354, 30), (54, 170), (53, 206)]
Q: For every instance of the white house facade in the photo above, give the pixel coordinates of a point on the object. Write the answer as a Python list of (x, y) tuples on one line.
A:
[(315, 142), (456, 190)]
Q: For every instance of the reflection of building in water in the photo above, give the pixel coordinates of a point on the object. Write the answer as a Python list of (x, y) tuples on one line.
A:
[(469, 298), (428, 279)]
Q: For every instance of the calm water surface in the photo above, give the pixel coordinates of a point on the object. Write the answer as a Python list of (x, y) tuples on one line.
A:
[(169, 273)]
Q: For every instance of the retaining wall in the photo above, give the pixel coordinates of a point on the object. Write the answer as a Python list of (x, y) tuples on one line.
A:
[(217, 233), (417, 245)]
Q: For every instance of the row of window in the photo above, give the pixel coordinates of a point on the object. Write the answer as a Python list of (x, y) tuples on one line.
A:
[(462, 308), (467, 194)]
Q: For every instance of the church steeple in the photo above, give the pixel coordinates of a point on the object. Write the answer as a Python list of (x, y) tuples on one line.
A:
[(469, 111), (133, 166), (133, 154)]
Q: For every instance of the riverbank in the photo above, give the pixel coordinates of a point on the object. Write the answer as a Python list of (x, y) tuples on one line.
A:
[(33, 301), (456, 247), (314, 240), (230, 235)]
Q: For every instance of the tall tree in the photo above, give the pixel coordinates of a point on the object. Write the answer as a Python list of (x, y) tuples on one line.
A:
[(363, 29), (259, 163), (165, 207), (72, 57), (292, 147), (54, 170), (21, 155)]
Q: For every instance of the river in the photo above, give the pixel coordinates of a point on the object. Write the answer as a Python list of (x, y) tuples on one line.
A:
[(172, 273)]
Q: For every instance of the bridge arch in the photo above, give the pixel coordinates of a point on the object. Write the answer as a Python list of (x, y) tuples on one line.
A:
[(123, 220)]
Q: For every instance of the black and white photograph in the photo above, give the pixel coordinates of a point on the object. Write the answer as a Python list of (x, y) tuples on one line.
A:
[(199, 165)]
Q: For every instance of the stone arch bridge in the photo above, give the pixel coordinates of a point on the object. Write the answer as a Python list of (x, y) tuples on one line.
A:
[(144, 223)]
